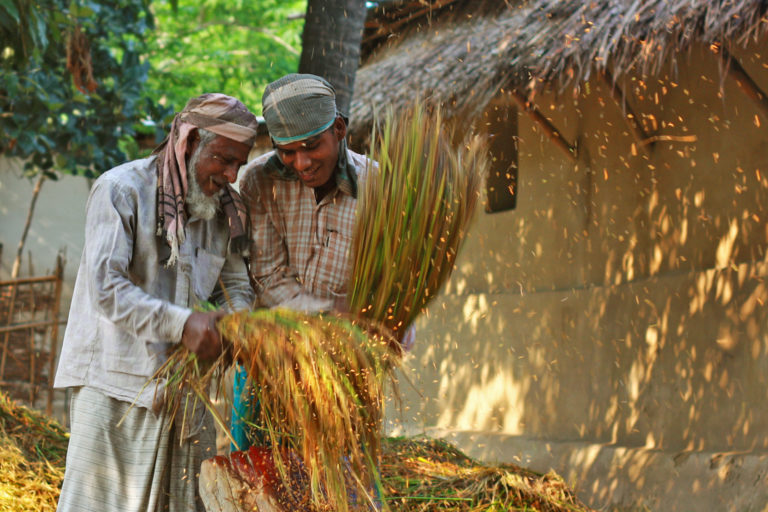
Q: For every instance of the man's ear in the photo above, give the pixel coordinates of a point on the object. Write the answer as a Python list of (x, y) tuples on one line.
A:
[(339, 128), (193, 139)]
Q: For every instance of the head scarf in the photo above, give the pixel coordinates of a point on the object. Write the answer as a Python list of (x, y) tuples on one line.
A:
[(222, 115), (297, 107)]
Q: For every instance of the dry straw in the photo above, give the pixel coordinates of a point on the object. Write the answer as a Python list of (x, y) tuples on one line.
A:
[(427, 475), (416, 474), (32, 453), (319, 378)]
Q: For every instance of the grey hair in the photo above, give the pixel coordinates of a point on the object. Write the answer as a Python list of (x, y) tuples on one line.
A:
[(206, 136)]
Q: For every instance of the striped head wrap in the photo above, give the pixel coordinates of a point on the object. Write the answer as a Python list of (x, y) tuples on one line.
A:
[(222, 115), (297, 107)]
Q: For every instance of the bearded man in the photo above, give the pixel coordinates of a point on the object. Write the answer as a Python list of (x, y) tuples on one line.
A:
[(163, 235)]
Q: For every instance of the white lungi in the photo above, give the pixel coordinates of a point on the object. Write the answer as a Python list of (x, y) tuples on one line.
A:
[(137, 467)]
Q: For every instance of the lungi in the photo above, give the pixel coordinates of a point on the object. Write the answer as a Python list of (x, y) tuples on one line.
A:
[(139, 466)]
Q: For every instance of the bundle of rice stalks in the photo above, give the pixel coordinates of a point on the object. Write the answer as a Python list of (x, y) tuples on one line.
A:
[(431, 475), (318, 380), (32, 453), (412, 215)]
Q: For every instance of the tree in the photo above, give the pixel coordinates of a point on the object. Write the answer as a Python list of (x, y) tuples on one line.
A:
[(71, 86), (333, 30), (233, 47), (71, 83)]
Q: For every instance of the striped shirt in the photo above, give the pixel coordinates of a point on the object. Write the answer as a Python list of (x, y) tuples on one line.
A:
[(298, 246)]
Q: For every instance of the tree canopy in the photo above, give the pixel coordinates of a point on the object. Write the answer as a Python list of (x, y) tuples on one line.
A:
[(234, 47), (71, 88), (81, 77)]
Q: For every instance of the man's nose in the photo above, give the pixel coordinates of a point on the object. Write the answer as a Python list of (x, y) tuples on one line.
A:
[(231, 173), (301, 161)]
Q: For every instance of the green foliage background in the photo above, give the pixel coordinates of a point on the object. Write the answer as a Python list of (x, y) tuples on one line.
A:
[(44, 118), (233, 47), (148, 59)]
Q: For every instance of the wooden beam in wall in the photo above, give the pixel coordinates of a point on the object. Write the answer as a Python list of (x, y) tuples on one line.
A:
[(745, 82), (633, 122), (549, 129)]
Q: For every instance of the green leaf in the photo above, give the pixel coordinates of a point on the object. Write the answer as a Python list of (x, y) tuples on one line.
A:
[(9, 9), (82, 11)]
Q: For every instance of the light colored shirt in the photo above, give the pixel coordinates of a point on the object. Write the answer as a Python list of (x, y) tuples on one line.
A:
[(299, 248), (127, 307)]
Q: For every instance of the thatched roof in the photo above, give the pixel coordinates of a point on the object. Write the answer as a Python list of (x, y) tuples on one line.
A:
[(463, 54)]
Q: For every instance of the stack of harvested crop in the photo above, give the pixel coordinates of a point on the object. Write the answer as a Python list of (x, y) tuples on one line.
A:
[(32, 453), (416, 475), (432, 475)]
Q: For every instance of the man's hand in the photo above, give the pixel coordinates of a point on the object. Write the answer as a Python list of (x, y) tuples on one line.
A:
[(201, 335)]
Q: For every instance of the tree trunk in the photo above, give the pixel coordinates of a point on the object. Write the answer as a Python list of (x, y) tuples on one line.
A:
[(30, 213), (333, 30)]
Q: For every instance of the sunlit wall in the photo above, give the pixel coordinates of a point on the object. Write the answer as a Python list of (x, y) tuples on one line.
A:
[(623, 300)]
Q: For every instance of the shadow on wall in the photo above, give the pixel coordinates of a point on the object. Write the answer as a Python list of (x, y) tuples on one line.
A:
[(623, 302)]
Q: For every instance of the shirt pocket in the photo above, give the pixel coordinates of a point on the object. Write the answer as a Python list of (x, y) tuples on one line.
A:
[(334, 263), (205, 273)]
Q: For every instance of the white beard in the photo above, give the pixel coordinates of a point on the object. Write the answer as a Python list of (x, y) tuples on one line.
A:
[(199, 204)]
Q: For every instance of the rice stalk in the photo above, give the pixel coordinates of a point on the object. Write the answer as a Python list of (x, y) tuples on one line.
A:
[(32, 453), (319, 380), (413, 213)]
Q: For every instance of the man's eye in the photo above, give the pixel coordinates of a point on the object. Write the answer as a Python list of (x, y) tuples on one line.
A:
[(223, 160)]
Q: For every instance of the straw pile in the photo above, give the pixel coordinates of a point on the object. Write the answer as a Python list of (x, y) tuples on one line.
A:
[(32, 453), (432, 475), (417, 474), (319, 378)]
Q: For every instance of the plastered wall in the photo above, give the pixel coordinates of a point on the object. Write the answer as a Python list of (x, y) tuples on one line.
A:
[(623, 301)]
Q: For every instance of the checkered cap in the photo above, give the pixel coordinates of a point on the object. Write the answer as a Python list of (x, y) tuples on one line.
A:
[(298, 106)]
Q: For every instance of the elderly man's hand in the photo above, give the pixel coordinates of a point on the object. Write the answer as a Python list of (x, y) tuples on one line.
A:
[(201, 335)]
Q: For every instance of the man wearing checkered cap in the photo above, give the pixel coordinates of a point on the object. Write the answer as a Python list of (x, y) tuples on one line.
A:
[(303, 199)]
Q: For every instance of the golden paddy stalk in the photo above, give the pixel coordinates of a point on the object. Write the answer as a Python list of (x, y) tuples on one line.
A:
[(413, 215), (32, 453)]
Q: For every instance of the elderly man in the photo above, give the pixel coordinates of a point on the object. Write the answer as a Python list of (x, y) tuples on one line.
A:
[(163, 235), (303, 198)]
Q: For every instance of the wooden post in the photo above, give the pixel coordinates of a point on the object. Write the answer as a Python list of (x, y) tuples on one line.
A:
[(9, 319), (59, 274), (32, 364), (745, 82), (635, 128), (549, 129)]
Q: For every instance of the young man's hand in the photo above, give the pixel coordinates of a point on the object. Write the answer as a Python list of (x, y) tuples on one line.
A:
[(201, 335)]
